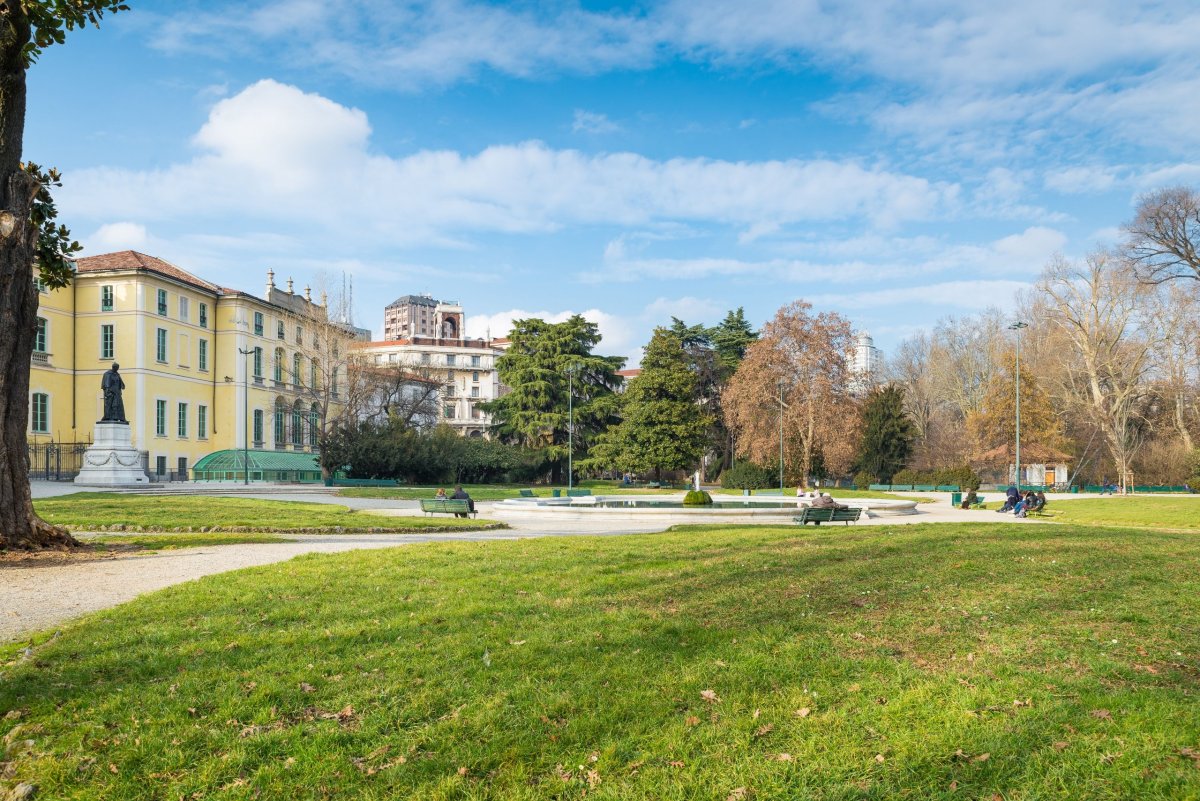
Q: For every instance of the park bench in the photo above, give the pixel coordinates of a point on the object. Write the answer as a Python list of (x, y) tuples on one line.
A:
[(817, 516), (979, 501), (447, 506), (527, 493), (361, 482), (578, 493), (768, 492)]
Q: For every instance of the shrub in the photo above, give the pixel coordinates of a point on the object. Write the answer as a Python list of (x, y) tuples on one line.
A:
[(747, 475), (862, 480), (907, 476), (697, 498), (963, 477)]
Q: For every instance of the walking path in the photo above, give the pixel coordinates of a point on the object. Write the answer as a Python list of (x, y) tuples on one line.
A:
[(42, 594)]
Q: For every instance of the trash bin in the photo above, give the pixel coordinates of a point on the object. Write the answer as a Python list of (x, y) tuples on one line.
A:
[(956, 499), (555, 493), (1075, 488)]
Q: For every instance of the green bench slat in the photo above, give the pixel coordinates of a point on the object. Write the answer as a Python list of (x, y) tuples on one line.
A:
[(448, 506), (818, 516), (768, 492), (527, 493), (578, 493)]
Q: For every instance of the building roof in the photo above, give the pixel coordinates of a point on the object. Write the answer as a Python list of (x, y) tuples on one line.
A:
[(132, 260), (415, 300), (633, 372), (259, 460)]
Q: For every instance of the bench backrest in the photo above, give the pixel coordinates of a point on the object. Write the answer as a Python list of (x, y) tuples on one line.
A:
[(444, 505), (578, 493), (845, 514), (526, 493), (814, 514)]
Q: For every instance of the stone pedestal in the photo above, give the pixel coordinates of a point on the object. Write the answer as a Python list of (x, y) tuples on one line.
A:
[(112, 460)]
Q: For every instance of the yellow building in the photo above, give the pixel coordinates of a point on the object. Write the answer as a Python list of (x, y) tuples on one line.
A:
[(206, 368)]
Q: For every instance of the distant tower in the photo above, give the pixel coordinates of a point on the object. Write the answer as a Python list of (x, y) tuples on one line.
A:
[(865, 364)]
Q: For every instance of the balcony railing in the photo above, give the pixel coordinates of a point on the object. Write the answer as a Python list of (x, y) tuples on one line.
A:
[(40, 357)]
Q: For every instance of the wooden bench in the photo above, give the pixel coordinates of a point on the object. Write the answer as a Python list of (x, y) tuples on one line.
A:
[(446, 506), (817, 516), (527, 493)]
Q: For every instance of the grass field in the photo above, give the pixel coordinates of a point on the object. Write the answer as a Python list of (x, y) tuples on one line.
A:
[(173, 541), (925, 662), (1178, 512), (87, 511)]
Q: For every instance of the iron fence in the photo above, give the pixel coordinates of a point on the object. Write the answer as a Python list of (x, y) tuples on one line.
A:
[(56, 461)]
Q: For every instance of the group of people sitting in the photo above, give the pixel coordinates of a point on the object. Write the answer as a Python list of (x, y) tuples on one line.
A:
[(460, 494), (1022, 504)]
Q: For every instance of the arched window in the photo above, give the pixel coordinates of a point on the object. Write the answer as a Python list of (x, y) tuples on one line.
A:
[(333, 377), (297, 424), (314, 424), (279, 365), (280, 423), (296, 369), (312, 374)]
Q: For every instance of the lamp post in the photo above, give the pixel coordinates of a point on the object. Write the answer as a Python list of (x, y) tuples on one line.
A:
[(570, 423), (245, 417), (1017, 326), (781, 408)]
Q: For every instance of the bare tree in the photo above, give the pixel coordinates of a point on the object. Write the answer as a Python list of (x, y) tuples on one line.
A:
[(1164, 236), (1104, 313), (1176, 309), (399, 388)]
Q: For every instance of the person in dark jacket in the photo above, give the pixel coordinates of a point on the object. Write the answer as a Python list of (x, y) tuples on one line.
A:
[(460, 494), (824, 501)]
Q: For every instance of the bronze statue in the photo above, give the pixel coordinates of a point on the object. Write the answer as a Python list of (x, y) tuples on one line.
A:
[(114, 407)]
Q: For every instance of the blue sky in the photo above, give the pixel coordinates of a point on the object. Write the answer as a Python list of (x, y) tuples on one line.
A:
[(897, 162)]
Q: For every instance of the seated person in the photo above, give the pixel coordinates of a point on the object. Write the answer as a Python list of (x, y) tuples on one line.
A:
[(461, 495), (824, 501), (1039, 501), (440, 495), (969, 501)]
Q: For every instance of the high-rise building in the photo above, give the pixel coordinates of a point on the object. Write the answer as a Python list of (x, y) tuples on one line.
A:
[(422, 316), (865, 364)]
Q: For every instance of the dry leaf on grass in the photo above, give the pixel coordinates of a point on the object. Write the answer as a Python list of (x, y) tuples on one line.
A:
[(1061, 745), (803, 712), (764, 730), (306, 687), (737, 794), (710, 696), (692, 720), (785, 757), (879, 758), (1102, 714)]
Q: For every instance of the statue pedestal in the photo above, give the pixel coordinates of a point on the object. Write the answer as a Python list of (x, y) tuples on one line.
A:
[(112, 460)]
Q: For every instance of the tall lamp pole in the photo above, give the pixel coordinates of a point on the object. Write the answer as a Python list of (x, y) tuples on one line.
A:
[(1017, 326), (781, 407), (570, 424), (245, 417)]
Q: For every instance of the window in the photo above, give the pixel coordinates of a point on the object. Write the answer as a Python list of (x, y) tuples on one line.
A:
[(474, 392), (160, 418), (184, 350), (278, 366), (296, 369), (258, 427), (203, 355), (448, 411), (297, 426), (204, 315), (312, 373), (106, 342), (299, 335), (449, 375), (161, 353), (182, 464), (450, 360), (106, 298), (258, 363), (475, 376), (39, 339), (162, 302), (333, 382), (160, 465), (40, 413), (280, 425), (39, 284), (424, 358), (182, 420), (258, 324), (474, 361), (184, 308), (279, 334), (202, 422), (314, 424)]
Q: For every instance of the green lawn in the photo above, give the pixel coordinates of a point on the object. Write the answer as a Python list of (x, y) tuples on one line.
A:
[(924, 662), (87, 511), (1178, 512), (173, 541)]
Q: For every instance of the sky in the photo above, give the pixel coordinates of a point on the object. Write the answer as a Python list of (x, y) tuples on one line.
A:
[(895, 161)]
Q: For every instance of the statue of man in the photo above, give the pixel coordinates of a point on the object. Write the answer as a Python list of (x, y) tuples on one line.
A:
[(113, 385)]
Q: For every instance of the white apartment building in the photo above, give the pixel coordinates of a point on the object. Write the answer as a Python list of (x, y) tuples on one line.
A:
[(865, 364), (465, 369)]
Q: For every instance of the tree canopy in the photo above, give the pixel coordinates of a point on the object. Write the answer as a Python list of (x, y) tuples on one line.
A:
[(887, 434)]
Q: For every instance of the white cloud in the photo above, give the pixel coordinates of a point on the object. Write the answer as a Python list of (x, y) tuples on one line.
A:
[(689, 309), (593, 123), (969, 295), (618, 335), (1081, 180), (117, 236), (273, 152)]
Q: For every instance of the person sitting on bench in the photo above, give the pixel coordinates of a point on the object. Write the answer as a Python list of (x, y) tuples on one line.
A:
[(971, 499), (824, 501), (461, 495)]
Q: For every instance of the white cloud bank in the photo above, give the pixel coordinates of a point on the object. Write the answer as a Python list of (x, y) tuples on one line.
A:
[(273, 152)]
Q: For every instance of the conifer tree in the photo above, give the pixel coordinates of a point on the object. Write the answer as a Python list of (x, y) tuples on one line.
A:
[(887, 434)]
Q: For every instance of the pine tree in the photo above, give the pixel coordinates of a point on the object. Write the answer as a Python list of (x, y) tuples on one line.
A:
[(662, 425), (731, 338), (887, 434), (554, 376)]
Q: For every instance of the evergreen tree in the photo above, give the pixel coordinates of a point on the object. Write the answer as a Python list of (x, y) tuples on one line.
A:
[(887, 434), (662, 426), (536, 411), (731, 338)]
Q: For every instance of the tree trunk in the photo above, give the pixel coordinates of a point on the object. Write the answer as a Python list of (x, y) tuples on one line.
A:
[(19, 526)]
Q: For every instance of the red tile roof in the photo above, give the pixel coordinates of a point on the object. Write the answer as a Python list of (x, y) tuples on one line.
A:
[(132, 260)]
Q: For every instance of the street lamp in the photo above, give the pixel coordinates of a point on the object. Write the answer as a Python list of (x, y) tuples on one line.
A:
[(570, 423), (1017, 326), (245, 417), (782, 406)]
